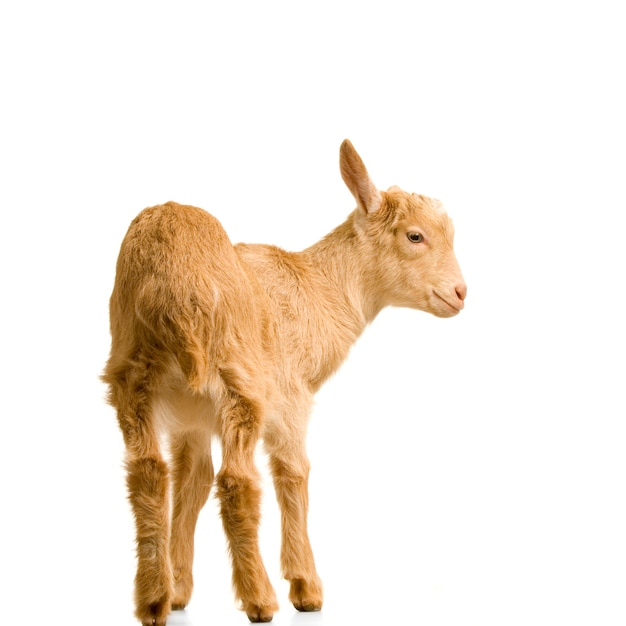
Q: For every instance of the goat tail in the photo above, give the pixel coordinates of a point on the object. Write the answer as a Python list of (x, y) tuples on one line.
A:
[(181, 324)]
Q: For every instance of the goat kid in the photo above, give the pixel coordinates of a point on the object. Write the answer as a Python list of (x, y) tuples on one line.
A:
[(211, 339)]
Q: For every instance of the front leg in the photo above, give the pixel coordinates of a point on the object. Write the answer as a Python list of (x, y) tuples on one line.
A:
[(298, 566)]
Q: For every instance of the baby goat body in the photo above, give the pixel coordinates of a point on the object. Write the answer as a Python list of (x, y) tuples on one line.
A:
[(211, 339)]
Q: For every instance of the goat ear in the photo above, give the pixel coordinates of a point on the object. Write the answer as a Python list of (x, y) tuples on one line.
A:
[(357, 179)]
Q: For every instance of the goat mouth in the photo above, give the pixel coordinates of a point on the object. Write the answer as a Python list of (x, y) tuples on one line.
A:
[(451, 307)]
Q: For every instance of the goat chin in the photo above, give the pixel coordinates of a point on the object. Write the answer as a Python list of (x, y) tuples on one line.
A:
[(215, 340)]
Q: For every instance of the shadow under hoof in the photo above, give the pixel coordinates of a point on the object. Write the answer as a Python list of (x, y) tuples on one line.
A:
[(178, 617)]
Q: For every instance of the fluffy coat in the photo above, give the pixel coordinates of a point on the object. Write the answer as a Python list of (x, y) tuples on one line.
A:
[(211, 339)]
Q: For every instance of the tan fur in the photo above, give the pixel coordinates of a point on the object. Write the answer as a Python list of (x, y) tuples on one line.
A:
[(211, 339)]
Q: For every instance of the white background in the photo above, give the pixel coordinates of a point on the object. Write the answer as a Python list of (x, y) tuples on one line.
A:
[(467, 471)]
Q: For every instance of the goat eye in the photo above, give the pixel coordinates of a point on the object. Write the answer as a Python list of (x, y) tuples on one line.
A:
[(415, 237)]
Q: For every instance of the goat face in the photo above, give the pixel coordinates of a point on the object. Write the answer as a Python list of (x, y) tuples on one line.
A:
[(412, 239), (408, 240)]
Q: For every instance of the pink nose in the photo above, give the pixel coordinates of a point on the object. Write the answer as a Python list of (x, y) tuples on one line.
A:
[(461, 291)]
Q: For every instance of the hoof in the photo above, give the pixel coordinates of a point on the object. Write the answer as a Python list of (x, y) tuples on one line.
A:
[(154, 614), (260, 614), (307, 608), (260, 617), (306, 596)]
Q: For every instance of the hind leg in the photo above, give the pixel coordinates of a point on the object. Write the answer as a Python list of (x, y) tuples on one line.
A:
[(192, 477), (240, 496), (147, 482)]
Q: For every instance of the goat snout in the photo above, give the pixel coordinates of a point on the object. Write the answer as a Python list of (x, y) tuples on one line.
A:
[(450, 301)]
